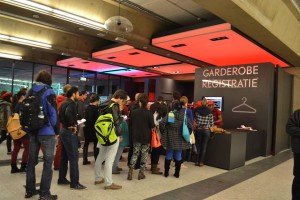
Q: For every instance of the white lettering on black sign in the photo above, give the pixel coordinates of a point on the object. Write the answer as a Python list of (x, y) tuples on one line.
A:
[(211, 76)]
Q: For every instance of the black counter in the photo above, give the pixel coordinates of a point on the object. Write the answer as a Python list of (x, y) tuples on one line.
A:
[(227, 151)]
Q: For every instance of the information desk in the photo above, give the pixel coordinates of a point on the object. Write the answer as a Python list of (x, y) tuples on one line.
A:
[(227, 151)]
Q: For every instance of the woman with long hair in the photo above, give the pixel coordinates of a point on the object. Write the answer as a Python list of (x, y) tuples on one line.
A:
[(141, 123), (172, 140)]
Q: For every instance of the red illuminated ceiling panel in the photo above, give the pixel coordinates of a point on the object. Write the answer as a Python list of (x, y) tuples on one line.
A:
[(132, 73), (218, 45), (130, 56), (79, 63), (177, 69)]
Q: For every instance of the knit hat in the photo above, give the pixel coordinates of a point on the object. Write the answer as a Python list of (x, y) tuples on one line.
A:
[(6, 94), (210, 103)]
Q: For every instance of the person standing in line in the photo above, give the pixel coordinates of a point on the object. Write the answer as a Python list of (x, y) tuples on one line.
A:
[(5, 112), (161, 112), (175, 97), (69, 140), (155, 105), (141, 124), (59, 100), (124, 141), (91, 116), (134, 105), (204, 120), (172, 140), (108, 153), (17, 143), (45, 136), (80, 108), (293, 129), (189, 114)]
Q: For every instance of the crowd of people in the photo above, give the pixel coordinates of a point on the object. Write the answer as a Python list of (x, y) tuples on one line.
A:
[(133, 122)]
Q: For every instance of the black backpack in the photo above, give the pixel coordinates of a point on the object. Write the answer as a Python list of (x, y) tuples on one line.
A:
[(32, 114)]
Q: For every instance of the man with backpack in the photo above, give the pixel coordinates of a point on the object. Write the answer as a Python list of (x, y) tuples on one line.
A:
[(40, 99), (69, 140), (108, 141)]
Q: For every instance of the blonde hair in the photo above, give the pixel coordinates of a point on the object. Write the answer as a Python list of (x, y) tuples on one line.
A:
[(184, 100)]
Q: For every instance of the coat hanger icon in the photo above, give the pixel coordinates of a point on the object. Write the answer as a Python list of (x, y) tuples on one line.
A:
[(244, 108)]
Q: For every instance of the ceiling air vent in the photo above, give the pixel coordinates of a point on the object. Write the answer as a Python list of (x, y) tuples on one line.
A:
[(71, 65), (85, 62), (219, 38), (111, 57), (178, 45), (133, 53)]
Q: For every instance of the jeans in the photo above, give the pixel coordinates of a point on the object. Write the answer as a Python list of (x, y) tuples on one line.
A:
[(107, 154), (176, 153), (17, 147), (117, 158), (201, 136), (69, 152), (296, 181), (142, 151), (48, 142)]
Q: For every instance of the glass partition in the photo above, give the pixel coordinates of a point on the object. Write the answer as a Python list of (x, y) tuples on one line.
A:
[(22, 76), (6, 75), (59, 79)]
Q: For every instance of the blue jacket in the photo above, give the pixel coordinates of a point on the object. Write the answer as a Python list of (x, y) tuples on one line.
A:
[(49, 104)]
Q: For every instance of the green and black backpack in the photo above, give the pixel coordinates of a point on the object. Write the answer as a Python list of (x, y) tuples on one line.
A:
[(105, 129)]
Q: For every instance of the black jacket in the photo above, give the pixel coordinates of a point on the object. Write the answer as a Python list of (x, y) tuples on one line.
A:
[(91, 116), (115, 111), (293, 129), (67, 113), (141, 123)]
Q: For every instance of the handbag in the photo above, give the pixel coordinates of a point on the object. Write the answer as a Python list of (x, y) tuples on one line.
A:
[(155, 141), (193, 141), (185, 130), (14, 127)]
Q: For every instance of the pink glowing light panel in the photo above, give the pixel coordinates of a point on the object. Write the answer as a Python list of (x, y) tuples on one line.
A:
[(79, 63), (129, 55), (177, 69), (218, 45)]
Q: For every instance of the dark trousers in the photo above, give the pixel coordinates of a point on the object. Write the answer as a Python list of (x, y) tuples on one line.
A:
[(7, 138), (296, 181), (17, 147), (69, 152), (86, 145), (201, 136), (48, 142), (155, 153)]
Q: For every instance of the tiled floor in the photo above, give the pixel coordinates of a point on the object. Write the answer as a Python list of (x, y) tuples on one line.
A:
[(261, 179)]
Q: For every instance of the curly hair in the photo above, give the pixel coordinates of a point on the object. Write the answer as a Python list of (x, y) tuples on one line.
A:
[(44, 77)]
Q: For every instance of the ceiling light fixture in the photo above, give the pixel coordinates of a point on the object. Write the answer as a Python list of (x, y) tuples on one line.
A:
[(30, 5), (11, 56), (120, 39), (118, 23), (25, 41)]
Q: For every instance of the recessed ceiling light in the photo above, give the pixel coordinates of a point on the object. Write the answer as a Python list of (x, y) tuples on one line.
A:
[(145, 47), (81, 29), (36, 16), (101, 34), (187, 60), (65, 54), (155, 67), (168, 54)]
